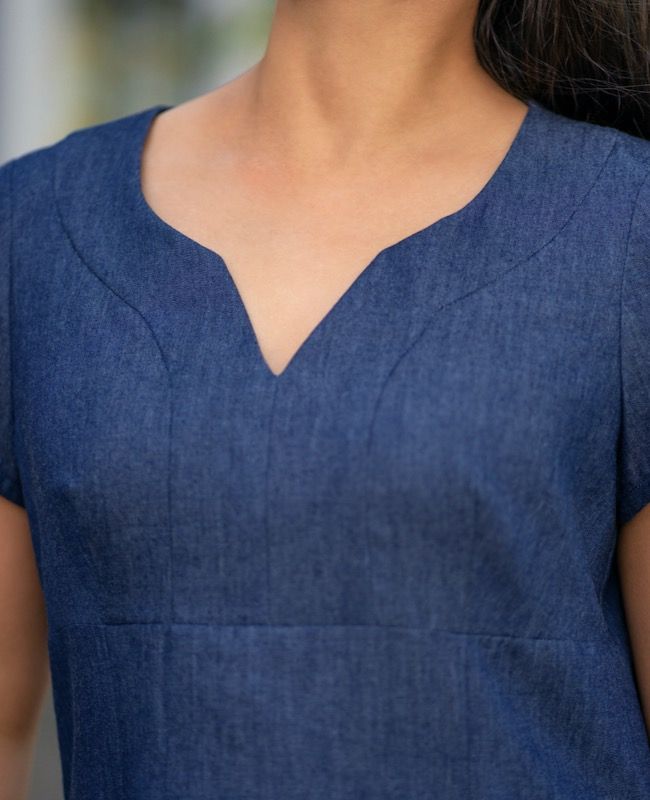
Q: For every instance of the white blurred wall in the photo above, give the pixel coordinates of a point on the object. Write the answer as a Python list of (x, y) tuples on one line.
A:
[(59, 70), (34, 93)]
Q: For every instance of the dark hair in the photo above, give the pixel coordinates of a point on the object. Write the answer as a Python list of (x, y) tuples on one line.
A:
[(586, 59)]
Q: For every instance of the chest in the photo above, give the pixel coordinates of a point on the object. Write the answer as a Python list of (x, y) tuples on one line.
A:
[(292, 248), (430, 404)]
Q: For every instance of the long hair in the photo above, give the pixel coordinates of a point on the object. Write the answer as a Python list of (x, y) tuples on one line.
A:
[(586, 59)]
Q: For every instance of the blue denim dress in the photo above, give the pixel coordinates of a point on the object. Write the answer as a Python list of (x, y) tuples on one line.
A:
[(387, 573)]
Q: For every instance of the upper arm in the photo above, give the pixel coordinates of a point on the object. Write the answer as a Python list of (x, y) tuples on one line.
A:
[(23, 651), (10, 484), (633, 563), (633, 544)]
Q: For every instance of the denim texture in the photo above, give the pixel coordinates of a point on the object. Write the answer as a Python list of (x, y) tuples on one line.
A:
[(387, 573)]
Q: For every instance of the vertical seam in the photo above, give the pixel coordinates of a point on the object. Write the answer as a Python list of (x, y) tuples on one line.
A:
[(494, 280), (620, 320), (167, 659), (14, 475), (163, 359), (468, 735), (109, 666), (170, 451), (10, 310), (267, 536)]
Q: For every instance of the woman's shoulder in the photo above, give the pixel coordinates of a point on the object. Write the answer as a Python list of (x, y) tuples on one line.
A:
[(75, 181), (604, 171), (635, 150), (76, 161), (624, 151)]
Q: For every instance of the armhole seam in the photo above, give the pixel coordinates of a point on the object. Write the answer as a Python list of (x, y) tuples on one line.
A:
[(14, 475), (626, 252)]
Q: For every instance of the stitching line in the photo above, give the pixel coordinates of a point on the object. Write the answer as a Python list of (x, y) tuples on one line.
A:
[(620, 312), (12, 482), (267, 533), (468, 726), (599, 641), (109, 670), (99, 277), (427, 325), (164, 360)]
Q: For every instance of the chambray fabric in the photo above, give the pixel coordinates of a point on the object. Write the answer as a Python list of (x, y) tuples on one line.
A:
[(387, 573)]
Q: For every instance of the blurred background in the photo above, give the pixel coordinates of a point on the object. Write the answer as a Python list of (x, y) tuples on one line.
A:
[(65, 64), (69, 63)]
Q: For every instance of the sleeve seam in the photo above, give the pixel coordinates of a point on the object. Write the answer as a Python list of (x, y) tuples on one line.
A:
[(626, 253), (10, 313), (628, 237), (11, 488)]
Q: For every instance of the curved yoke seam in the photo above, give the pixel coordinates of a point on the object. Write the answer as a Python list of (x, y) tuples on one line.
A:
[(434, 315), (70, 239), (96, 274)]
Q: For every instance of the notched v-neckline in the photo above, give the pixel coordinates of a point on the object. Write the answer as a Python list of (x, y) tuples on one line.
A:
[(152, 217)]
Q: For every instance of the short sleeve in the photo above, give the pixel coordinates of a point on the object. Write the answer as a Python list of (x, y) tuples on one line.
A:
[(633, 487), (10, 484)]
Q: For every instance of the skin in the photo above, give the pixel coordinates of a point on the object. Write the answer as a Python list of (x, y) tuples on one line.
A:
[(633, 557), (346, 137), (362, 123), (24, 665)]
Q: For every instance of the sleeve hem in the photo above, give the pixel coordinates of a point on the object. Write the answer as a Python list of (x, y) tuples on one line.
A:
[(11, 489)]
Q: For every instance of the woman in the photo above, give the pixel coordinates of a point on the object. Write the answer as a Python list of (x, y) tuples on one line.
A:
[(327, 399)]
